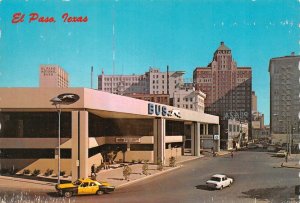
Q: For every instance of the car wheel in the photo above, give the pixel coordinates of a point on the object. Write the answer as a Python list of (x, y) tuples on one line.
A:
[(99, 192), (68, 194)]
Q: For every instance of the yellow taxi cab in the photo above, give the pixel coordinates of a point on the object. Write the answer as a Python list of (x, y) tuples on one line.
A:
[(84, 187)]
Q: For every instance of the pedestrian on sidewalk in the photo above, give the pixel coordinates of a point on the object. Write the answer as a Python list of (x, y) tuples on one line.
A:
[(231, 154), (286, 158), (213, 152), (93, 172)]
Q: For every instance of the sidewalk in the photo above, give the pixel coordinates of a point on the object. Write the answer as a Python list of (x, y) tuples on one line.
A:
[(115, 176), (293, 162)]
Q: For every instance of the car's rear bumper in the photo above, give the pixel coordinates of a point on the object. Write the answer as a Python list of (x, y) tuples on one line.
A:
[(211, 185), (108, 189)]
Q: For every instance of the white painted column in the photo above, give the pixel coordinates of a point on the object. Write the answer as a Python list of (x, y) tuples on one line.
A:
[(84, 143), (195, 138), (75, 143), (206, 129), (159, 132), (219, 133)]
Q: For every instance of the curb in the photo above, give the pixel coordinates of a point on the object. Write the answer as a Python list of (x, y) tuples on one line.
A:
[(191, 159), (223, 154), (27, 180), (286, 166), (147, 177)]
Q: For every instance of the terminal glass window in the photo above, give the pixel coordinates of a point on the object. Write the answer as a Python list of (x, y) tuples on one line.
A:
[(34, 124), (99, 126), (174, 128)]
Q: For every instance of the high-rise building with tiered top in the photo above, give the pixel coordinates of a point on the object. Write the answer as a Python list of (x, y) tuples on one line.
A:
[(228, 89)]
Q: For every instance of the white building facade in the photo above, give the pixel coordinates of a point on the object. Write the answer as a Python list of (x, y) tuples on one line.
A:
[(152, 82), (188, 98)]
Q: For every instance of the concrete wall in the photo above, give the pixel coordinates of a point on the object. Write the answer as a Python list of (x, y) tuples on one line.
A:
[(279, 138), (40, 164), (136, 155), (97, 160), (172, 152)]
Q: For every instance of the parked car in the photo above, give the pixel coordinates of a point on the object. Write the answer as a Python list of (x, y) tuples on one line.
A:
[(271, 148), (84, 187), (281, 153), (219, 181), (251, 146)]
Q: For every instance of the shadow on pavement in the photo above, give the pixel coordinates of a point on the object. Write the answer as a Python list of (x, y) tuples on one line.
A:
[(275, 194), (203, 187), (53, 194)]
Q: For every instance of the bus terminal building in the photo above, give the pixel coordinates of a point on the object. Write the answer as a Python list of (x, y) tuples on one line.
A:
[(97, 124)]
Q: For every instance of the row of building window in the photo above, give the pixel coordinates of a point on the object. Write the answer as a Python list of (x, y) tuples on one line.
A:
[(234, 128), (123, 78), (186, 106), (156, 76)]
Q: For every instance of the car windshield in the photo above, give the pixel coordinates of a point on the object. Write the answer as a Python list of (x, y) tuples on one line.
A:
[(215, 179), (77, 182)]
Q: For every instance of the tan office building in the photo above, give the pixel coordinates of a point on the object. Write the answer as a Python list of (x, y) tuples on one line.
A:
[(53, 76)]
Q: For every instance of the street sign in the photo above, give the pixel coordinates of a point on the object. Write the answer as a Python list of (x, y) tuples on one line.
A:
[(216, 137), (68, 98)]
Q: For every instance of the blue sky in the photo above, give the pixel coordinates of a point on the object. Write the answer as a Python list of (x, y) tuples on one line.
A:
[(178, 33)]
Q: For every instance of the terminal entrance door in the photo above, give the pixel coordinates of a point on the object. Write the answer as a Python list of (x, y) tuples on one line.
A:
[(187, 139)]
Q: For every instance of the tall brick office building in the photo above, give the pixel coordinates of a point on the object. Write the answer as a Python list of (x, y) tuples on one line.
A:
[(228, 90)]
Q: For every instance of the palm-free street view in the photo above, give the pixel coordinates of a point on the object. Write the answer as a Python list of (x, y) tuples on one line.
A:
[(149, 101)]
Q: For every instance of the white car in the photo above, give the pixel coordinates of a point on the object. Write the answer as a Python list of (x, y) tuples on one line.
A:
[(219, 181), (281, 153)]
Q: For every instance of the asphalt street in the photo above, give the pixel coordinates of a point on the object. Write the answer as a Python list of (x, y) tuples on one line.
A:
[(257, 178)]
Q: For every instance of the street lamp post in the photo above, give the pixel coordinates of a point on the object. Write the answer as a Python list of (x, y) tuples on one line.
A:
[(56, 101), (66, 99), (289, 138)]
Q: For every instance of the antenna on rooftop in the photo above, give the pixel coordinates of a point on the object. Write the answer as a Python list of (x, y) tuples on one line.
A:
[(92, 70), (113, 47)]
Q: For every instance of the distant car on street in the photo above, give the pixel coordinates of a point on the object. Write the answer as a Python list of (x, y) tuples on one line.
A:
[(251, 146), (271, 149), (281, 153), (219, 181)]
